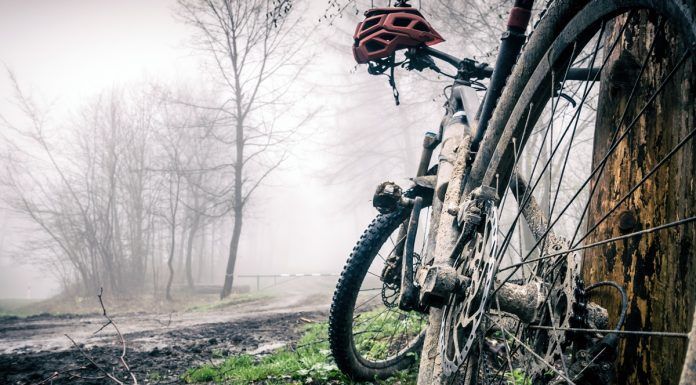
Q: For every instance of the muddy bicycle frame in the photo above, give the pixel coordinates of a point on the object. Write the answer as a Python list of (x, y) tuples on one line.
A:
[(466, 171), (463, 133)]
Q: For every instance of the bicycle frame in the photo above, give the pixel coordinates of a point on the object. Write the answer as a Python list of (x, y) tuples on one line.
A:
[(461, 126), (466, 154)]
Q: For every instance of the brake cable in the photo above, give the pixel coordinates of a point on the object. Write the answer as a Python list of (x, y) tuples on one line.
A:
[(392, 80)]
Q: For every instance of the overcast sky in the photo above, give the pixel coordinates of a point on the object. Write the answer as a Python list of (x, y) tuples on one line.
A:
[(71, 49)]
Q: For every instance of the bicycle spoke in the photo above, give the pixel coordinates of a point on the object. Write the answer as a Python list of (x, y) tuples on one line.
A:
[(621, 332), (398, 326), (507, 346), (575, 116), (532, 352), (589, 363), (612, 148), (620, 122), (604, 242), (374, 318), (370, 299)]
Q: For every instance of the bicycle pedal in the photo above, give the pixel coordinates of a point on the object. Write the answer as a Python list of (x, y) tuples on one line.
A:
[(387, 197)]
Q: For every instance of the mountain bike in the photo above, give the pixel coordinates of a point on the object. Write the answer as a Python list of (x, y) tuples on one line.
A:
[(552, 239)]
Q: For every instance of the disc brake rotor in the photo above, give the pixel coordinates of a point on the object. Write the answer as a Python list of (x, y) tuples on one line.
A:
[(463, 313)]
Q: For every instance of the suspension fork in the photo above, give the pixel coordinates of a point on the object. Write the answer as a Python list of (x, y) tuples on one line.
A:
[(452, 136), (408, 299)]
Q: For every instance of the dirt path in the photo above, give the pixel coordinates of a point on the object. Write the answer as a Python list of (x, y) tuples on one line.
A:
[(160, 348)]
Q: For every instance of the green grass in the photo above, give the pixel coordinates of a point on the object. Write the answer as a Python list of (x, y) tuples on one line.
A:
[(517, 377), (309, 363), (377, 330)]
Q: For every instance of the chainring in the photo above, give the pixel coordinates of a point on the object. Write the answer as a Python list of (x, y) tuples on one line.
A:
[(391, 280)]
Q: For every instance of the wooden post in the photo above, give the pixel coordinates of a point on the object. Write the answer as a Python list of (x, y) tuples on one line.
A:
[(657, 269)]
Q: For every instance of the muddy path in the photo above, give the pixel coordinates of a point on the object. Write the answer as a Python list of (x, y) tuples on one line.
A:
[(160, 347)]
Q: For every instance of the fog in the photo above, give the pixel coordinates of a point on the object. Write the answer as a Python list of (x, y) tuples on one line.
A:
[(308, 213)]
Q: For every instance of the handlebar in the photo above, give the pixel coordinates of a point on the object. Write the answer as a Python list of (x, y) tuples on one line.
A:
[(484, 71)]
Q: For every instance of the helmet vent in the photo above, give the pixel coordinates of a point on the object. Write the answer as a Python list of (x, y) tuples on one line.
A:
[(370, 23), (421, 27), (373, 46), (387, 30), (401, 22)]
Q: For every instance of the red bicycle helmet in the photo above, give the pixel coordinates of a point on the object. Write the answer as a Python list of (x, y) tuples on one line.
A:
[(386, 30)]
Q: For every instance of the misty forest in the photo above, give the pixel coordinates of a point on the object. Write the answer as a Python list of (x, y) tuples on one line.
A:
[(183, 183)]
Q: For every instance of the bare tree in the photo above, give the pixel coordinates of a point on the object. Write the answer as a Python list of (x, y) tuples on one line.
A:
[(254, 53)]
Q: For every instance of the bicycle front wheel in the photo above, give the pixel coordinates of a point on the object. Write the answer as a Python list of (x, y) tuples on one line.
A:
[(369, 336)]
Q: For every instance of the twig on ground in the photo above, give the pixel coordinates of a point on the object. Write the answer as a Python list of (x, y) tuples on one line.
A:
[(58, 373), (88, 358), (165, 324), (121, 358)]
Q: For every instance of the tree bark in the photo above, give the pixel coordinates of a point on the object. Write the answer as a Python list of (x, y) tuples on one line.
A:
[(656, 269)]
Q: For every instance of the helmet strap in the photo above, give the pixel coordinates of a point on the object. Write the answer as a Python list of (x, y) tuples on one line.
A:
[(392, 79)]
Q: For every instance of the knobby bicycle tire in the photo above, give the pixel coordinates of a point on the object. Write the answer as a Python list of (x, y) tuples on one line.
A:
[(341, 340)]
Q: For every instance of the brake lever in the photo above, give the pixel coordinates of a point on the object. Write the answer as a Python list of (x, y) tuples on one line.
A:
[(419, 62)]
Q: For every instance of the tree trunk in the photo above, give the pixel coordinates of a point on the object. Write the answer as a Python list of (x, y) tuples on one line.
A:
[(211, 271), (232, 257), (656, 269), (189, 248), (173, 207), (180, 252), (201, 254), (170, 260), (239, 200)]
